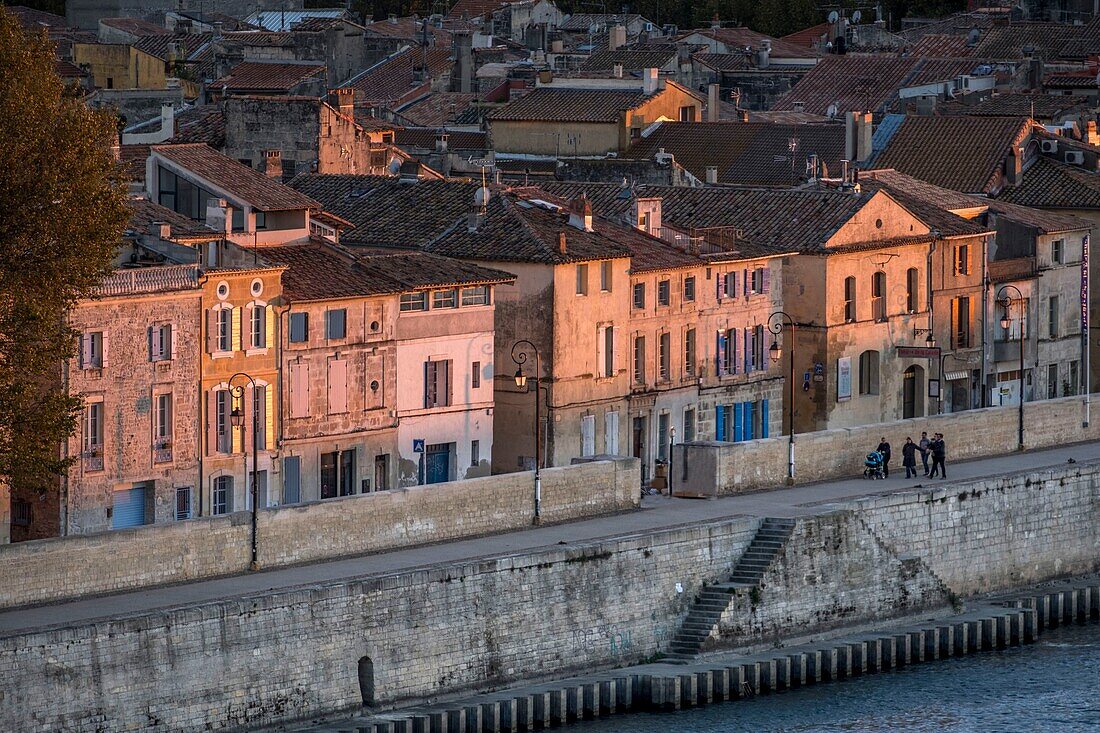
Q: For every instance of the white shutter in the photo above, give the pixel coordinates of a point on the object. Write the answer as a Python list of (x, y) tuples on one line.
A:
[(588, 435), (104, 346), (337, 386), (611, 433)]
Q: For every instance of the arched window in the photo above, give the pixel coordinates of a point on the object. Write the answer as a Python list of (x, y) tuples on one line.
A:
[(366, 681), (878, 296), (849, 300), (868, 372)]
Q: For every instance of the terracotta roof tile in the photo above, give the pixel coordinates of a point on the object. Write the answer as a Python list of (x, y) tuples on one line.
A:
[(476, 8), (438, 109), (275, 77), (201, 124), (581, 22), (392, 78), (942, 45), (746, 37), (752, 153), (571, 105), (1078, 80), (253, 187), (1047, 41), (851, 82), (133, 159), (723, 61), (408, 28), (1052, 185), (186, 44), (1040, 106), (631, 59), (146, 215), (808, 37), (135, 26), (962, 153), (35, 19), (424, 139)]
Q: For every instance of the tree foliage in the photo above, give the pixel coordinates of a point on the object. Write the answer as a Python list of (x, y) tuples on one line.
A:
[(62, 210)]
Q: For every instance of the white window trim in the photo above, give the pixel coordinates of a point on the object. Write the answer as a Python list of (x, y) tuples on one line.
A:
[(252, 350)]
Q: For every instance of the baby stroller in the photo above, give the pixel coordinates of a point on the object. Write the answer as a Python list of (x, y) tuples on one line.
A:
[(872, 466)]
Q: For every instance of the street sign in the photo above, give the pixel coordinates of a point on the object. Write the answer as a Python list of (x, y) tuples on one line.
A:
[(919, 352), (418, 445)]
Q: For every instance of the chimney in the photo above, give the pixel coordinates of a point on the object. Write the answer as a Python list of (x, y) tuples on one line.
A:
[(580, 214), (712, 174), (219, 215), (1014, 167), (273, 163), (345, 101), (441, 142), (649, 81), (742, 115), (646, 213), (763, 55), (167, 120), (561, 243), (1091, 136), (464, 61), (798, 106), (857, 136), (617, 71), (164, 231), (546, 76), (616, 38), (713, 103)]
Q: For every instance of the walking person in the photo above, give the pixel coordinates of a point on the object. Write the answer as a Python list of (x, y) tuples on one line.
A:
[(884, 449), (925, 450), (939, 453), (909, 458)]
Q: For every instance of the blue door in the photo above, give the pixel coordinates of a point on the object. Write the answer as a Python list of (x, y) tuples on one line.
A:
[(129, 508), (438, 463)]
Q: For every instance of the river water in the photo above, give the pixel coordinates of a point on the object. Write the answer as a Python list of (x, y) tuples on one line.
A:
[(1052, 686)]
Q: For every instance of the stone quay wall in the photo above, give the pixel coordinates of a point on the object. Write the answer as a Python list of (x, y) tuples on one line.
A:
[(57, 569), (407, 637), (711, 468)]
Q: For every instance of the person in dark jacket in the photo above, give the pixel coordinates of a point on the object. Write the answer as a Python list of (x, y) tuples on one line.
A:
[(925, 451), (939, 453), (884, 449), (909, 458)]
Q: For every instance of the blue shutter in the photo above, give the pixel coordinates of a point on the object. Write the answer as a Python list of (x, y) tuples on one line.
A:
[(720, 354), (763, 418), (732, 339), (738, 426), (128, 508), (750, 409), (292, 480), (720, 423)]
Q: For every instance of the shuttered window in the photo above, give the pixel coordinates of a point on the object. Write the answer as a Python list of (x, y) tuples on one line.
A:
[(299, 328), (437, 383), (299, 390), (337, 386)]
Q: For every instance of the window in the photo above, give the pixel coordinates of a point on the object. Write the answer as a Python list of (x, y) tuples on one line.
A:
[(588, 435), (662, 436), (444, 299), (849, 300), (663, 292), (758, 347), (912, 290), (162, 429), (689, 352), (224, 330), (582, 279), (223, 438), (292, 479), (475, 375), (414, 302), (184, 509), (1074, 378), (347, 472), (960, 323), (1058, 252), (336, 323), (962, 259), (639, 296), (611, 433), (475, 452), (1052, 381), (259, 327), (759, 280), (337, 386), (689, 289), (476, 296), (868, 372), (91, 350), (729, 284), (664, 357), (437, 383), (382, 472), (259, 404), (639, 359), (1052, 317), (299, 389), (160, 342), (689, 424), (687, 114), (605, 276), (261, 217), (329, 476), (299, 328), (878, 296), (93, 429), (606, 357), (221, 502)]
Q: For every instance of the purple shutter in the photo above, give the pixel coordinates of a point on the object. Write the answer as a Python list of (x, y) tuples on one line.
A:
[(748, 282), (748, 350), (731, 283), (720, 354), (766, 280), (720, 284), (732, 339)]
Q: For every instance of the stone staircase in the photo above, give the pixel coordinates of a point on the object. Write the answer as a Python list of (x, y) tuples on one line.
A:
[(714, 599)]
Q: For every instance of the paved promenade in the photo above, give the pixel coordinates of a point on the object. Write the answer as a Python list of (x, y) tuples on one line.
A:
[(658, 512)]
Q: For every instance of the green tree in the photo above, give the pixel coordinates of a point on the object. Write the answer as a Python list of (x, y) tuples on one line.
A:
[(62, 210)]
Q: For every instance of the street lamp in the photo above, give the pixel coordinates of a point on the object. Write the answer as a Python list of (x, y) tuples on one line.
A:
[(519, 356), (775, 325), (236, 418), (1006, 302)]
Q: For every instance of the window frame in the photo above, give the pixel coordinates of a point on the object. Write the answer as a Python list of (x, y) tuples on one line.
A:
[(637, 299), (329, 324), (689, 289), (301, 317), (445, 299), (582, 278), (475, 296), (664, 293), (878, 297), (223, 484), (606, 276)]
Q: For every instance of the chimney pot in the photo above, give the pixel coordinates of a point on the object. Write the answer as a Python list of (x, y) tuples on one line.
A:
[(561, 242), (273, 163), (649, 81), (712, 174)]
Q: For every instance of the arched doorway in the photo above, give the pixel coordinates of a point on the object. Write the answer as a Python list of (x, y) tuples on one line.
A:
[(912, 392), (366, 681)]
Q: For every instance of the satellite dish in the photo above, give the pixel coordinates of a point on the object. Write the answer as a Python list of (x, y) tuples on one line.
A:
[(833, 16), (856, 16), (481, 196), (832, 111), (395, 166), (973, 36)]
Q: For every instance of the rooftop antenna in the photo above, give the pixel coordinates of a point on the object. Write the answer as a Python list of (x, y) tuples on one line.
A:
[(792, 145)]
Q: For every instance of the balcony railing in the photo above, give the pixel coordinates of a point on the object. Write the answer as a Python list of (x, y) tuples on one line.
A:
[(93, 461), (162, 452)]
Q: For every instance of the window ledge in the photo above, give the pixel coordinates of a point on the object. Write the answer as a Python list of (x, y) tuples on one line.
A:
[(222, 354), (256, 352)]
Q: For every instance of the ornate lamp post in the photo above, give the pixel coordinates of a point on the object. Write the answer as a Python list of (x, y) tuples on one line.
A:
[(775, 325), (519, 356), (236, 417), (1006, 302)]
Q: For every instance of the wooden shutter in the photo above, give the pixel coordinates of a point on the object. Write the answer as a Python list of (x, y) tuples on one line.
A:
[(299, 390), (954, 322), (765, 280), (269, 418), (150, 334), (448, 383), (211, 331), (236, 338), (748, 350), (337, 386), (270, 327), (171, 331), (720, 354), (747, 284), (430, 385), (731, 341), (104, 349)]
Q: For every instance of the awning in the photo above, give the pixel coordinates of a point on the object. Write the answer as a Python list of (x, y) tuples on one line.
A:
[(952, 376)]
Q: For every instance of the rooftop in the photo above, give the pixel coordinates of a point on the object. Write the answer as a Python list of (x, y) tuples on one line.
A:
[(582, 22), (745, 38), (135, 26), (254, 76), (631, 59), (1039, 106), (963, 153), (751, 153), (394, 77), (147, 216), (281, 20), (1052, 185), (555, 104), (424, 138), (253, 187), (440, 108)]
